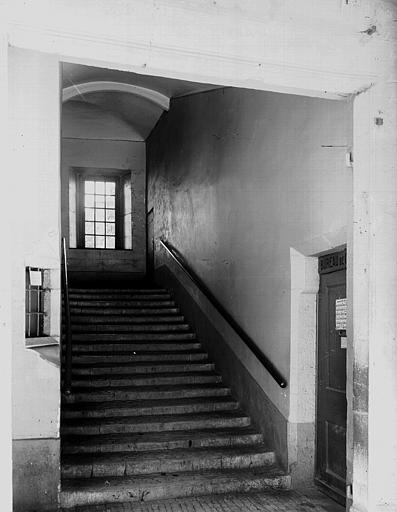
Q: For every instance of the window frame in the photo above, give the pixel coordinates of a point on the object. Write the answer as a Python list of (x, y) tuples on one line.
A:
[(85, 174)]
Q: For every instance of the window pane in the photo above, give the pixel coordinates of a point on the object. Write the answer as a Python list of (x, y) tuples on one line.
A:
[(89, 187), (100, 242), (99, 228), (89, 241), (110, 216), (100, 201), (99, 187), (110, 202), (110, 242), (89, 228), (100, 215), (89, 214), (110, 188), (34, 301), (33, 325), (89, 201), (110, 229)]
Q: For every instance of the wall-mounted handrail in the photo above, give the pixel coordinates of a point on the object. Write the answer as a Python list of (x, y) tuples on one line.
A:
[(178, 258), (68, 337)]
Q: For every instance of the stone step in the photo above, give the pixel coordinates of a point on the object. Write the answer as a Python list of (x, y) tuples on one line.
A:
[(141, 463), (161, 440), (118, 291), (136, 367), (141, 356), (118, 296), (125, 319), (122, 303), (135, 347), (146, 393), (147, 407), (118, 337), (170, 485), (160, 423), (80, 312), (118, 328), (160, 379)]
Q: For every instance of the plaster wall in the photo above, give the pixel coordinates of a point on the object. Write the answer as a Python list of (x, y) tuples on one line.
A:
[(237, 179), (34, 121), (96, 143)]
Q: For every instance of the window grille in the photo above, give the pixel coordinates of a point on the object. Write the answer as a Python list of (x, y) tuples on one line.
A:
[(34, 307), (99, 213)]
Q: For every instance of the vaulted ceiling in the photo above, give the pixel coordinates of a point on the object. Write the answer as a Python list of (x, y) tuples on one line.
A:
[(129, 102)]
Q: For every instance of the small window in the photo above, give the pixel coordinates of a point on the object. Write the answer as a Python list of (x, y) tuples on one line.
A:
[(100, 210), (34, 307)]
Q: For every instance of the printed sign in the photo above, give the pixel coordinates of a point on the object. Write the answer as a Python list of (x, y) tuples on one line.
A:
[(340, 314), (343, 342)]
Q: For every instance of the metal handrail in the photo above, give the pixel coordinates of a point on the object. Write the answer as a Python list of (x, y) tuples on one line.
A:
[(178, 258), (68, 337)]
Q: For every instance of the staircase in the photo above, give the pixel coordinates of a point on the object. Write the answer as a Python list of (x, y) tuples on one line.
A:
[(149, 417)]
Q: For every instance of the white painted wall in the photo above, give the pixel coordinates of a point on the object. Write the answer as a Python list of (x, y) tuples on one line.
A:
[(34, 124), (236, 189)]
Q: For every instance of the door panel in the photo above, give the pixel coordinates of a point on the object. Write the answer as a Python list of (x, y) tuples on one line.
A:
[(331, 387)]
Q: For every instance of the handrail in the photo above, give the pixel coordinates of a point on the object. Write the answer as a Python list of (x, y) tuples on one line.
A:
[(178, 258), (68, 351)]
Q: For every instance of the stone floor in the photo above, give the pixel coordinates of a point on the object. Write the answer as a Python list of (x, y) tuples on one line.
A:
[(270, 501)]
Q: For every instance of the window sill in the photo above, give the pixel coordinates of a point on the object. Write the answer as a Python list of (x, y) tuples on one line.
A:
[(44, 341), (97, 249)]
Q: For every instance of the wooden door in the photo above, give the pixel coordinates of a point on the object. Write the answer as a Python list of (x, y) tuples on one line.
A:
[(331, 377), (150, 243)]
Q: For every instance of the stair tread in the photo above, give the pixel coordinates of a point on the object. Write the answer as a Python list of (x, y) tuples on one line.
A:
[(162, 387), (159, 479), (161, 356), (107, 376), (162, 455), (129, 404), (119, 338), (140, 364), (124, 320), (161, 418), (166, 436), (80, 311), (117, 290), (133, 328)]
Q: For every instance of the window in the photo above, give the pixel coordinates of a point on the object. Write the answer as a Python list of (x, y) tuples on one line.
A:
[(34, 303), (99, 213), (100, 208)]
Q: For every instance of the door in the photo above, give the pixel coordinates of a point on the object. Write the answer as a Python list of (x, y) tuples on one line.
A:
[(150, 242), (331, 377)]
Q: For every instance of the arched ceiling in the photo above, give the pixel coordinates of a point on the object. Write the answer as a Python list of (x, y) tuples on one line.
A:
[(137, 100)]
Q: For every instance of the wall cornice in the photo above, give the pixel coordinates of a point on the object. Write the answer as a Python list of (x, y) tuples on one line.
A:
[(326, 54)]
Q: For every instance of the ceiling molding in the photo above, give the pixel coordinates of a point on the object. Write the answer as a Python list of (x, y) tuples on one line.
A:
[(155, 97)]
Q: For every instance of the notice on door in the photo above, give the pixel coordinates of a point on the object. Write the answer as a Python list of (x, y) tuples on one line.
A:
[(340, 314)]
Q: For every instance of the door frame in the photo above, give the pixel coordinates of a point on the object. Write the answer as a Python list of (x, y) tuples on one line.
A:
[(327, 266)]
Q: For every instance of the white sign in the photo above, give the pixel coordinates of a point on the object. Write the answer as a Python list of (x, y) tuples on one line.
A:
[(343, 342), (340, 314), (35, 277)]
